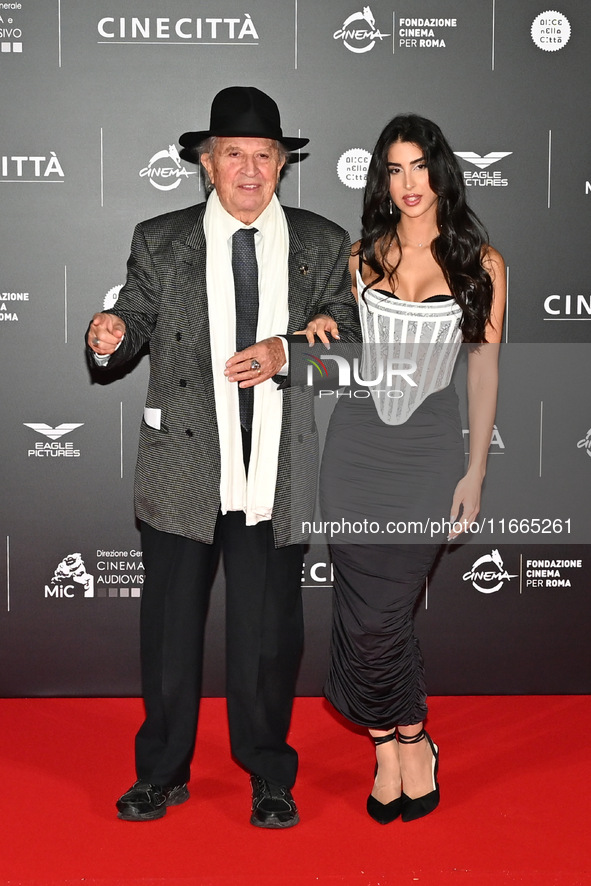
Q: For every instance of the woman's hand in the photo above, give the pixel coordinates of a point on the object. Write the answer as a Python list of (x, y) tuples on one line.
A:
[(465, 505), (322, 326)]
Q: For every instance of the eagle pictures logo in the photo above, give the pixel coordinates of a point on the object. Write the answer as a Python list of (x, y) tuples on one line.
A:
[(481, 177), (53, 449)]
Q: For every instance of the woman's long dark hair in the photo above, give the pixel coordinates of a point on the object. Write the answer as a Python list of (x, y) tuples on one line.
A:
[(457, 250)]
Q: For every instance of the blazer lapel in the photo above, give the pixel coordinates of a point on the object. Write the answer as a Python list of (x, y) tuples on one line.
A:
[(191, 284), (190, 281)]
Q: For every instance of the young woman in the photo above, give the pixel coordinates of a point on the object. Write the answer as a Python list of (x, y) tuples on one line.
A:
[(424, 277)]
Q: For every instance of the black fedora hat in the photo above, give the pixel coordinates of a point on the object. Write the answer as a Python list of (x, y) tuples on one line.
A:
[(245, 112)]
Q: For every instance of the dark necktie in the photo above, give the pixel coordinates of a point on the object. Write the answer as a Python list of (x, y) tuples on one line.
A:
[(246, 289)]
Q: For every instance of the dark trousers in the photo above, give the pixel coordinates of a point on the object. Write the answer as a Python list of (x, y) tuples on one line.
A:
[(264, 640)]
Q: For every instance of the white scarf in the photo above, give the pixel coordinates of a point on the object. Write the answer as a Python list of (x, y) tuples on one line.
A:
[(253, 496)]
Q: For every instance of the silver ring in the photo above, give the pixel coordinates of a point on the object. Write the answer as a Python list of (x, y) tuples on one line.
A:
[(254, 364), (96, 341)]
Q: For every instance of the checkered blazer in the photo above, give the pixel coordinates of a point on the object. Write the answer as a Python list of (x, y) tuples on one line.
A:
[(164, 302)]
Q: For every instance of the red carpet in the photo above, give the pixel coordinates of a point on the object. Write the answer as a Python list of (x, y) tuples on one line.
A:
[(515, 807)]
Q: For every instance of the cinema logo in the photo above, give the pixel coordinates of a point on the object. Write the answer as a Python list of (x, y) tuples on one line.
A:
[(359, 32), (585, 443), (165, 170), (9, 302), (488, 573), (21, 169), (481, 177), (11, 36), (567, 307), (206, 31), (117, 574), (53, 448)]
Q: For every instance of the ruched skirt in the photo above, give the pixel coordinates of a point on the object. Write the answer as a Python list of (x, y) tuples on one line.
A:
[(406, 475)]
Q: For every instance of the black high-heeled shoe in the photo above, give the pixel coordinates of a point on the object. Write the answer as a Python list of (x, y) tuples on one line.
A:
[(417, 807), (384, 813)]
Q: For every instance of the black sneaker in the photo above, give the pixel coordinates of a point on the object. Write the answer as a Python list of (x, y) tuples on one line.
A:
[(145, 802), (272, 805)]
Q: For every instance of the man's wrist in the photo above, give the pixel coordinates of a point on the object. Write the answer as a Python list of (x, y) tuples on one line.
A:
[(285, 368)]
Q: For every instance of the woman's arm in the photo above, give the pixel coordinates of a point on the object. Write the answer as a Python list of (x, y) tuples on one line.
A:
[(482, 386)]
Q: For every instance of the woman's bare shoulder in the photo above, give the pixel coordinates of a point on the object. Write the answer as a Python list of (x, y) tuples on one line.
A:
[(354, 266), (354, 258), (493, 261), (489, 252)]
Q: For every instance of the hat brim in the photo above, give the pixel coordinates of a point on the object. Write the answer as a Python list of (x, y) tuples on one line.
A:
[(192, 139)]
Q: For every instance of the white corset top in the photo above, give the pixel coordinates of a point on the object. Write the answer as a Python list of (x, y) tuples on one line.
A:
[(409, 351)]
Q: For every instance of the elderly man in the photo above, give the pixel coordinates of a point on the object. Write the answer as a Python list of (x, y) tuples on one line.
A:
[(227, 447)]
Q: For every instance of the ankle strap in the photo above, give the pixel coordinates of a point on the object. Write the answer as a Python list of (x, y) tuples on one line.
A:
[(411, 739), (382, 739)]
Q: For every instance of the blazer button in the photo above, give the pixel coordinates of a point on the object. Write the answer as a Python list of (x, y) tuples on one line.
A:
[(178, 336), (183, 382), (189, 432)]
